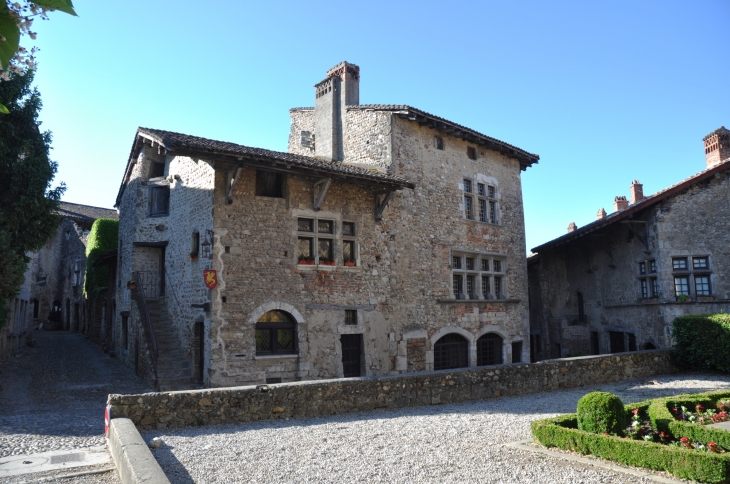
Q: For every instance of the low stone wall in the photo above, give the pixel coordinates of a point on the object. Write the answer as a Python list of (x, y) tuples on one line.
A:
[(328, 397)]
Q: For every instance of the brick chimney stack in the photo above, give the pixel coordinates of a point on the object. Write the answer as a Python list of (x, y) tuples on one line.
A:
[(572, 227), (601, 214), (620, 203), (637, 191), (341, 88), (717, 146)]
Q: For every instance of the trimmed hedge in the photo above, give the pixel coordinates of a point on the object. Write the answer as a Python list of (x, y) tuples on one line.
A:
[(600, 412), (102, 238), (562, 432), (662, 419), (702, 342)]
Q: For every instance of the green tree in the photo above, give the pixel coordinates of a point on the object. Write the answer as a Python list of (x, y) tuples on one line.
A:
[(28, 203)]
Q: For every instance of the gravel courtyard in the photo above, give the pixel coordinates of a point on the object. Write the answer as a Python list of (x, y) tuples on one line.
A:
[(443, 443)]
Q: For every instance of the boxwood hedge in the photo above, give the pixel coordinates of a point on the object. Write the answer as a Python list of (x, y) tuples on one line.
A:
[(562, 432), (702, 342)]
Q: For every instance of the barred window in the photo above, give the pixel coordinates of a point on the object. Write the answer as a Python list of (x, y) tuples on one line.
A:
[(276, 333), (489, 350), (484, 201), (451, 351), (478, 276)]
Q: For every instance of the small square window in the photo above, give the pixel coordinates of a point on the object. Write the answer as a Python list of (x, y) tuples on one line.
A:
[(159, 200), (305, 225), (498, 288), (467, 186), (456, 262), (468, 208), (486, 288), (348, 252), (458, 291), (681, 286), (269, 184), (480, 189), (157, 170), (438, 141), (642, 267), (324, 250), (324, 226), (470, 287), (497, 266), (471, 152), (304, 250), (652, 266), (679, 263), (348, 229), (485, 264), (700, 263), (350, 316), (493, 212), (702, 285), (469, 264)]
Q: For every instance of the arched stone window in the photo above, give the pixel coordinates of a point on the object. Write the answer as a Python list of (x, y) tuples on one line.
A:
[(451, 351), (489, 350), (276, 334)]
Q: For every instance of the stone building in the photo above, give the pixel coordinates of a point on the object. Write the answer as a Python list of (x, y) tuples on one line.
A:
[(618, 283), (57, 270), (386, 240)]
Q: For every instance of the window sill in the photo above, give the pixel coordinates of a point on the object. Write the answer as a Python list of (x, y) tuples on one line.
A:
[(476, 301), (325, 267), (479, 222), (275, 357), (159, 215)]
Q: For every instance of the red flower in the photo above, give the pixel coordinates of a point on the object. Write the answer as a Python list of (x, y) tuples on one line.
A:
[(685, 442), (635, 411), (712, 446), (720, 405), (674, 410), (699, 407)]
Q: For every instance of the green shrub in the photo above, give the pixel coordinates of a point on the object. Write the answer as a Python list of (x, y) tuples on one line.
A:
[(686, 463), (702, 342), (601, 412), (102, 238)]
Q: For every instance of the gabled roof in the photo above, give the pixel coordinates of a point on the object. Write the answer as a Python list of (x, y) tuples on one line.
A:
[(647, 202), (186, 145), (85, 213), (449, 127)]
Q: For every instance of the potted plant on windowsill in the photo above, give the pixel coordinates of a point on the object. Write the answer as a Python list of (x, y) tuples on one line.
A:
[(131, 284), (305, 261), (350, 263), (705, 298), (193, 256), (683, 298), (326, 262)]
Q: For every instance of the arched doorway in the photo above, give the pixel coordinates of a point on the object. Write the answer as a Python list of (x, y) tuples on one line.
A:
[(451, 351), (489, 350)]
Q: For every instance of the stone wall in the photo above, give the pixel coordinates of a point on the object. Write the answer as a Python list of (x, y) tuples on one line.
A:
[(190, 211), (324, 398)]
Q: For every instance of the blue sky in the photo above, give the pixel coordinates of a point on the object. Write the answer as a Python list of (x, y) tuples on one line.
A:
[(604, 92)]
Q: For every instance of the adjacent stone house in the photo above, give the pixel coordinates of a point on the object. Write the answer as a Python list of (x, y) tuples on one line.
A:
[(618, 283), (57, 271), (385, 240)]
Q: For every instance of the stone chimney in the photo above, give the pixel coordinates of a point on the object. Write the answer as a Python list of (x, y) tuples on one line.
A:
[(572, 227), (341, 88), (620, 203), (637, 191), (601, 214), (717, 146)]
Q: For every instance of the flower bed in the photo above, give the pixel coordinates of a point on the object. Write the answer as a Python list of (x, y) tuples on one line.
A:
[(654, 438)]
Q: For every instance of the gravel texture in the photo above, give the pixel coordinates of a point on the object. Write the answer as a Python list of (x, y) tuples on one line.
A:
[(446, 443), (52, 396)]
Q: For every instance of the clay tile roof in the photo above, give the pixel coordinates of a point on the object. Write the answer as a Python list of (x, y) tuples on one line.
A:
[(408, 112), (175, 142), (647, 202), (85, 213)]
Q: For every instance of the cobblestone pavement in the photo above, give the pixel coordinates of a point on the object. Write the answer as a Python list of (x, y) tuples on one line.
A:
[(52, 396)]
